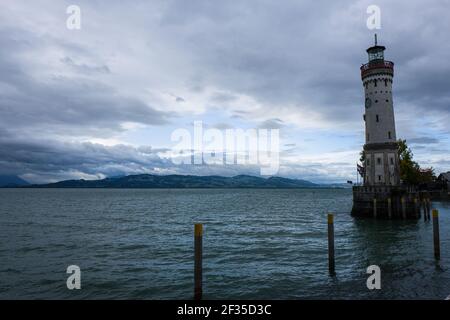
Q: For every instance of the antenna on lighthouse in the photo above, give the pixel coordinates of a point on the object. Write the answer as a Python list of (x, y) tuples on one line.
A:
[(376, 42)]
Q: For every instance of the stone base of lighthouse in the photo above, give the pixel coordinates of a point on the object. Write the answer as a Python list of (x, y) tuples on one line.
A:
[(387, 202)]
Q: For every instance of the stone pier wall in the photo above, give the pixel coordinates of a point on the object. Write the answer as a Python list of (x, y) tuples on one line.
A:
[(391, 202)]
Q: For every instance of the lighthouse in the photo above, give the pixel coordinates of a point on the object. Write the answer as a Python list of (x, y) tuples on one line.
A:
[(382, 195), (381, 149)]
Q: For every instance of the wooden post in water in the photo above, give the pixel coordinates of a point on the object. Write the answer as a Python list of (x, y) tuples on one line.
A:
[(416, 212), (403, 208), (437, 249), (424, 210), (198, 268), (389, 208), (375, 208), (331, 244), (428, 209)]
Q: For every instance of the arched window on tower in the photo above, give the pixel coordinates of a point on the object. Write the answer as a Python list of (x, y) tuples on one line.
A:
[(374, 83), (385, 82)]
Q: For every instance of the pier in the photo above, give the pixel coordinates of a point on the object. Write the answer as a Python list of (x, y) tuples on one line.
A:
[(390, 202)]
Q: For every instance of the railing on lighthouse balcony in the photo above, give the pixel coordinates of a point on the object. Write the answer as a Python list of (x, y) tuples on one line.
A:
[(366, 68)]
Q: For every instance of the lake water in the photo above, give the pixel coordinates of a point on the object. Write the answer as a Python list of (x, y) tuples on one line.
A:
[(258, 244)]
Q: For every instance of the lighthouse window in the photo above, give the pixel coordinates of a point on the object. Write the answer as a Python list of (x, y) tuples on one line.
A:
[(389, 135), (392, 161), (375, 83), (376, 101), (385, 83), (379, 178), (387, 100), (378, 160), (378, 118)]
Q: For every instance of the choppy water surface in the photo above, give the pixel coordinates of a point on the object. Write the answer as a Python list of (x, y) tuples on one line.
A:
[(258, 244)]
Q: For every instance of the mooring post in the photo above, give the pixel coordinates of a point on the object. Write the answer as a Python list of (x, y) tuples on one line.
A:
[(390, 208), (428, 208), (424, 210), (375, 208), (437, 249), (403, 208), (198, 270), (331, 244), (416, 212)]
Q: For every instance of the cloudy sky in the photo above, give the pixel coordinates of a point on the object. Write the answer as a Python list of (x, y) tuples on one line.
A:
[(105, 99)]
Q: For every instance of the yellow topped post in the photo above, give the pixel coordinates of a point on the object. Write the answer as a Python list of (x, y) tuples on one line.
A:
[(435, 213), (198, 229), (330, 218)]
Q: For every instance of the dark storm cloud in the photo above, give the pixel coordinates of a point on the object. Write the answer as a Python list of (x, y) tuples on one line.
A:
[(73, 105), (39, 161), (34, 159), (309, 52)]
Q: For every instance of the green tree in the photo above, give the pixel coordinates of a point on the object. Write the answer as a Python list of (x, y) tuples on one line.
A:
[(410, 171), (362, 158)]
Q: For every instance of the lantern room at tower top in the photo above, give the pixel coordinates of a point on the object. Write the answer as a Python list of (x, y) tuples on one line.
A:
[(376, 52), (376, 61)]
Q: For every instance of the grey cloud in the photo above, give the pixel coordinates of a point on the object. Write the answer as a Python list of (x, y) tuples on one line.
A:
[(222, 126), (220, 98), (41, 161), (271, 124), (72, 105), (423, 140), (177, 98), (84, 68), (308, 53)]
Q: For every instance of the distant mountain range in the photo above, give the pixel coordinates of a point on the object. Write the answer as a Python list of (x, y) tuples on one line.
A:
[(184, 181)]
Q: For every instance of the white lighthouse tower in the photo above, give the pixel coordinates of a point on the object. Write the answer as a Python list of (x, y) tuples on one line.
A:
[(382, 196), (381, 148)]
